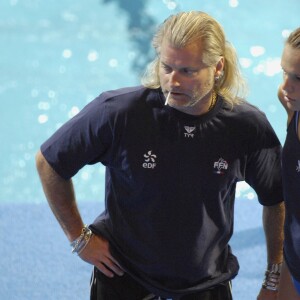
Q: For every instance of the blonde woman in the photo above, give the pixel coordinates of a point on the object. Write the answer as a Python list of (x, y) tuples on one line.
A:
[(289, 96)]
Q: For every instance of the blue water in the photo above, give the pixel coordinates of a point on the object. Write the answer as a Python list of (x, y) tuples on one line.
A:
[(57, 56)]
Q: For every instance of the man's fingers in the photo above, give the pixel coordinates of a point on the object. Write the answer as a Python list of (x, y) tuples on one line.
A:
[(109, 271), (111, 265), (102, 268), (97, 253)]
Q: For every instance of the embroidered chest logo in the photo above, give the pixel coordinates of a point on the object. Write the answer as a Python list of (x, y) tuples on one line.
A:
[(220, 166), (189, 130), (149, 160), (298, 166)]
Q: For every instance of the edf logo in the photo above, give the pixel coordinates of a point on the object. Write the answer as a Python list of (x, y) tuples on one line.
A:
[(149, 162)]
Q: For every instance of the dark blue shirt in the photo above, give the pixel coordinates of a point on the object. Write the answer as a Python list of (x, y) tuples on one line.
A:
[(291, 184), (170, 182)]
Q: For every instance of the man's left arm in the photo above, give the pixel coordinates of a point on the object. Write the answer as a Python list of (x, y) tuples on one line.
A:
[(273, 223)]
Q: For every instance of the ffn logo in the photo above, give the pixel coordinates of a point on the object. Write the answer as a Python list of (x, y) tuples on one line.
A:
[(220, 166), (149, 162), (189, 131)]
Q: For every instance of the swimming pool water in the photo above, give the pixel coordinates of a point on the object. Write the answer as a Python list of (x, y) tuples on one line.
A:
[(56, 56)]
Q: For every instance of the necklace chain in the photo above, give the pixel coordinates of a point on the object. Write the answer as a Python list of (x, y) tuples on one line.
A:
[(213, 100)]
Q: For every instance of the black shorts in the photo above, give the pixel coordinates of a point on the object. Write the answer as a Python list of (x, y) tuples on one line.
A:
[(126, 288)]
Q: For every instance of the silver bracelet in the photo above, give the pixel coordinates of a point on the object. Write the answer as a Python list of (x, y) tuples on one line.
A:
[(272, 276), (81, 242)]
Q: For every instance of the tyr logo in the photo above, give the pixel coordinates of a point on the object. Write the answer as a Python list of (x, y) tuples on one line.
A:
[(189, 131)]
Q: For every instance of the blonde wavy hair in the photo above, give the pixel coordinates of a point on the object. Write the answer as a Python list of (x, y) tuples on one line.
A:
[(195, 26)]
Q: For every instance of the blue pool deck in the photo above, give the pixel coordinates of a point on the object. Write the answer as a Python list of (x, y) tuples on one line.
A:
[(55, 57)]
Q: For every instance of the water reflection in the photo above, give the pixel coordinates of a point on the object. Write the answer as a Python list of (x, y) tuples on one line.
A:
[(56, 57)]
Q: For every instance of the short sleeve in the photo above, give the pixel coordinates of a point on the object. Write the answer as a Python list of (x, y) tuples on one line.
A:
[(263, 171), (263, 174), (80, 141)]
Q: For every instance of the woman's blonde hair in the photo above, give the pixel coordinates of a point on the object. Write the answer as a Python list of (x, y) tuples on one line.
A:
[(198, 27), (294, 39)]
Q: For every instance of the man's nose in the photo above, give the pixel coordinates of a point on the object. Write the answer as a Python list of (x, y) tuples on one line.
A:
[(174, 79)]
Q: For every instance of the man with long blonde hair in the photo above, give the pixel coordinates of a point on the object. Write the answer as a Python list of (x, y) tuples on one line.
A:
[(174, 150)]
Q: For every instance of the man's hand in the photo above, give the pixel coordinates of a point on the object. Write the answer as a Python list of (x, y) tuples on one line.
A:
[(97, 253), (265, 294)]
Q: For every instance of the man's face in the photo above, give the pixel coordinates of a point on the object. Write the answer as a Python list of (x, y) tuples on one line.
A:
[(186, 77), (290, 63)]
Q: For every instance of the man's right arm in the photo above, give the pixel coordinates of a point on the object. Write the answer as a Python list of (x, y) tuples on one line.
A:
[(61, 198)]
